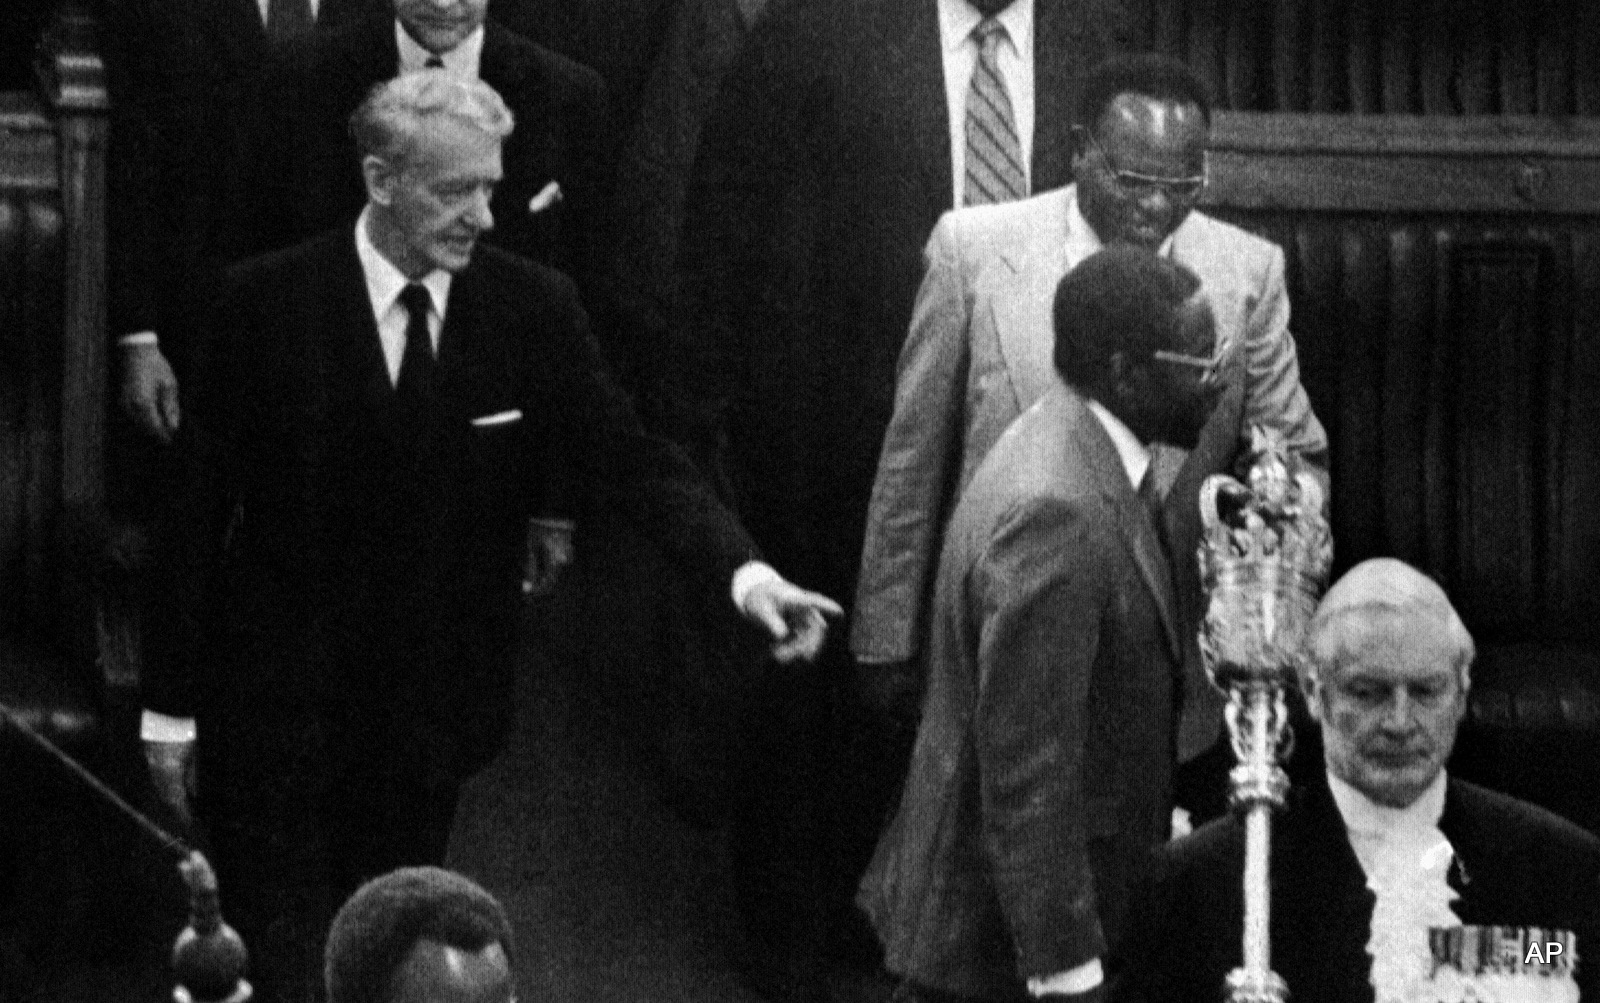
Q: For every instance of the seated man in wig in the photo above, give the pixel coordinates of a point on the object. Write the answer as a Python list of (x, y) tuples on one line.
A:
[(1386, 845)]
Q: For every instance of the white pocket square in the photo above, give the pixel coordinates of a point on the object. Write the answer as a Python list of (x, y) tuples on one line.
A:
[(498, 418), (548, 196)]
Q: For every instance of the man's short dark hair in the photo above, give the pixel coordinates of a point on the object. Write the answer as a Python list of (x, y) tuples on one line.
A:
[(377, 928), (1148, 73), (1121, 299)]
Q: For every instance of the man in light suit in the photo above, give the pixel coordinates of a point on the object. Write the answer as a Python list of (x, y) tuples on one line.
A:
[(1383, 843), (1041, 776), (979, 349), (838, 139), (338, 586)]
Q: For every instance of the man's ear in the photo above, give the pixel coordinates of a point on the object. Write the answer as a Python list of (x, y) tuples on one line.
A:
[(378, 176), (1311, 689), (1080, 145), (1120, 373)]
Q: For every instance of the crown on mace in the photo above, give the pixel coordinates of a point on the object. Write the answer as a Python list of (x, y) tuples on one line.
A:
[(1265, 553)]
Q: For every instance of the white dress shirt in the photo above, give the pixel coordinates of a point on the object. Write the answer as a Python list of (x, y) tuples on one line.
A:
[(957, 18), (384, 285), (1082, 241), (462, 60), (263, 5), (1406, 860)]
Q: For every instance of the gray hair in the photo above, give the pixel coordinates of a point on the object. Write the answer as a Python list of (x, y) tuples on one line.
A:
[(397, 112), (1378, 596)]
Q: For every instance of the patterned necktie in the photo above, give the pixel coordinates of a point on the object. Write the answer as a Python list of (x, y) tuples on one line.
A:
[(416, 363), (288, 19), (994, 154)]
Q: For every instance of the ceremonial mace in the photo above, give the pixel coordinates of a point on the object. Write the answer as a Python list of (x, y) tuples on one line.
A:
[(1264, 557), (208, 958)]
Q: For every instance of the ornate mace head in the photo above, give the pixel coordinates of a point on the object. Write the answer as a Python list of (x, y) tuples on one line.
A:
[(1265, 552)]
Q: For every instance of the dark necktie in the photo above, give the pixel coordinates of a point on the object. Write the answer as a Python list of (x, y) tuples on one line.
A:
[(287, 19), (416, 363), (994, 170), (989, 8), (1154, 502), (434, 62)]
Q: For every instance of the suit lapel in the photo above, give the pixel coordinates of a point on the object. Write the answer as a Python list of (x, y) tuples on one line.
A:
[(1134, 525), (1019, 304), (908, 50), (354, 356), (1322, 909)]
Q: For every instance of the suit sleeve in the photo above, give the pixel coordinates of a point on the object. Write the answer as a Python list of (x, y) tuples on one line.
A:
[(190, 533), (921, 458), (613, 454), (1274, 395), (1040, 591)]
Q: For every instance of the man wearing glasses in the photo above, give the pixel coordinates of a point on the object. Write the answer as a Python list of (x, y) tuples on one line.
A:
[(979, 350), (1042, 774)]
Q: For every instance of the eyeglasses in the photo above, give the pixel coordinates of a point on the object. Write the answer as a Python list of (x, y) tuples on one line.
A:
[(1210, 368), (1139, 186)]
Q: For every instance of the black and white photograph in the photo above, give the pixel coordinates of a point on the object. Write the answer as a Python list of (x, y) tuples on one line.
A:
[(799, 501)]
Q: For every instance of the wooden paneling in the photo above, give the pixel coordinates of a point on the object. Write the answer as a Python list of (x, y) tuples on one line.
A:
[(30, 312), (1449, 329), (1433, 57)]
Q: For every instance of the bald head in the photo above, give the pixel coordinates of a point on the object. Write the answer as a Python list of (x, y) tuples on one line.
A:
[(1388, 678)]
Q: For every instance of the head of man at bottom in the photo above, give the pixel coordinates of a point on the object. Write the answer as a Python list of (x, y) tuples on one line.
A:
[(420, 935), (430, 156), (1388, 680), (1135, 334)]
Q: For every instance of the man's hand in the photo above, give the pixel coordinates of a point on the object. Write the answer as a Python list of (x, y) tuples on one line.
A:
[(172, 774), (150, 390), (792, 616), (549, 553)]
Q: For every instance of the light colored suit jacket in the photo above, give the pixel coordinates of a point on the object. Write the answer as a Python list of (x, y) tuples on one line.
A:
[(1041, 775), (979, 353)]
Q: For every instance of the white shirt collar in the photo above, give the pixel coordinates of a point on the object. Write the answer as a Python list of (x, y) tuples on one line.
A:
[(1133, 454), (1363, 815), (957, 18), (1082, 241), (385, 281), (462, 60)]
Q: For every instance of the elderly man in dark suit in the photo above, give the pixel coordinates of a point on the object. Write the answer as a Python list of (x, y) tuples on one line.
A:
[(1385, 844), (339, 588), (548, 207), (1041, 776), (842, 132)]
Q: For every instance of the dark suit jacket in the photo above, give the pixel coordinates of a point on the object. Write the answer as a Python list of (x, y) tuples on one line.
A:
[(323, 534), (560, 136), (186, 105), (1518, 865), (819, 175), (1041, 777)]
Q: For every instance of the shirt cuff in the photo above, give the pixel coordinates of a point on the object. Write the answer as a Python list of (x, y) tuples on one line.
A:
[(137, 338), (154, 727), (1075, 980), (749, 575)]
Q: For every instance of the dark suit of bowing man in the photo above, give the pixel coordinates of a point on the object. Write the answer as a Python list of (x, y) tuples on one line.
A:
[(340, 580), (1042, 772)]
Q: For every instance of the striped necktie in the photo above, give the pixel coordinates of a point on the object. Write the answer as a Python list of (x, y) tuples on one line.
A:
[(288, 19), (994, 171)]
